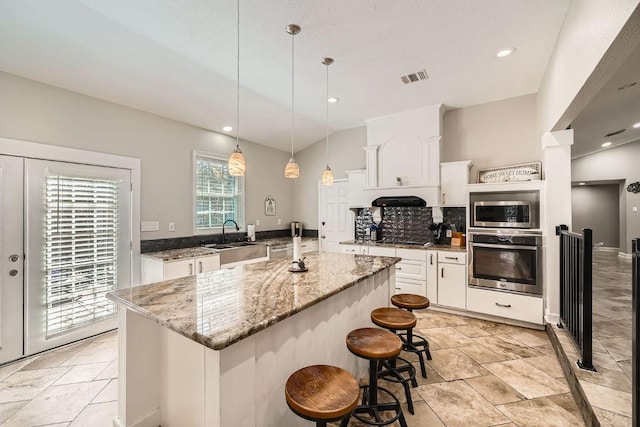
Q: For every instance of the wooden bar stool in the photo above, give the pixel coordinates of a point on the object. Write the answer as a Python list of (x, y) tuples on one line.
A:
[(376, 345), (322, 393), (413, 342), (397, 370)]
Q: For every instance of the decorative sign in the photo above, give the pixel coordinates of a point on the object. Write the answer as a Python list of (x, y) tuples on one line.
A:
[(524, 172), (634, 187), (270, 206)]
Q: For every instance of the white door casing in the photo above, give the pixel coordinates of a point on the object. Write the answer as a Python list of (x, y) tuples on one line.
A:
[(11, 258), (334, 216), (36, 172)]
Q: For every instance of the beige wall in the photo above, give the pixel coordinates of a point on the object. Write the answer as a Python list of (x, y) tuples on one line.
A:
[(499, 133), (597, 207), (593, 30), (36, 112), (345, 153), (620, 163)]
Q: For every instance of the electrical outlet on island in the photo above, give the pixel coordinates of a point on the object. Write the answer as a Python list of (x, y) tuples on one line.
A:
[(448, 233)]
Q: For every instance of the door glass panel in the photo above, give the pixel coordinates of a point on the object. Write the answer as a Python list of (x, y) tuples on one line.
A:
[(81, 250)]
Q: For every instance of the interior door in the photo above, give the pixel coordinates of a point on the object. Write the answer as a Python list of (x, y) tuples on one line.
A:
[(11, 258), (335, 218), (78, 248)]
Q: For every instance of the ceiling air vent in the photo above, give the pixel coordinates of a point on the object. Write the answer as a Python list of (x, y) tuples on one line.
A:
[(415, 77), (614, 133)]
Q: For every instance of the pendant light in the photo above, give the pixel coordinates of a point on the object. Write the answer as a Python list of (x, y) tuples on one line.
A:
[(327, 175), (292, 170), (237, 165)]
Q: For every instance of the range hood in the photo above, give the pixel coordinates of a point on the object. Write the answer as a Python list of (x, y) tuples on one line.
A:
[(399, 201)]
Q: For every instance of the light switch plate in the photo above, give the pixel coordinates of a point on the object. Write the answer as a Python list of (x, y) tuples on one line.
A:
[(149, 226), (172, 226)]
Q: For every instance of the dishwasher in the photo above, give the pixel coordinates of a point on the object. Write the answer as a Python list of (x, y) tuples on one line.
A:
[(283, 250)]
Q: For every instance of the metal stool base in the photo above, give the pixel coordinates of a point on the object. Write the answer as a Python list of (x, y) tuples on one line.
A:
[(417, 345), (375, 409), (389, 370)]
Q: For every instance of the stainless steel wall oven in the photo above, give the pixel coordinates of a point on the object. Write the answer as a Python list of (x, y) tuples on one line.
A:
[(506, 259)]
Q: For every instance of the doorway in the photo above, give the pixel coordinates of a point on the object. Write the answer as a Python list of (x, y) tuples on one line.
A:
[(597, 206), (65, 242)]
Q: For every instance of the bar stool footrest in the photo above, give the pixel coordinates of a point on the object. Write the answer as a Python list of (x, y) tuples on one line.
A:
[(375, 410)]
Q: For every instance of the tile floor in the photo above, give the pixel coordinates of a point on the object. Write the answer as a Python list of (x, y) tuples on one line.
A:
[(73, 386), (609, 389)]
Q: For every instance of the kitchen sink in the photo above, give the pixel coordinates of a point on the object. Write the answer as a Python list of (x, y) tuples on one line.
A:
[(239, 251)]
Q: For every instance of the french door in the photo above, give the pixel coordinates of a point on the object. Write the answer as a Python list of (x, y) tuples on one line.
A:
[(11, 259), (75, 227)]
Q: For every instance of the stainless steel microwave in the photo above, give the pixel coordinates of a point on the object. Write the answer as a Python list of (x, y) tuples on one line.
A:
[(505, 214)]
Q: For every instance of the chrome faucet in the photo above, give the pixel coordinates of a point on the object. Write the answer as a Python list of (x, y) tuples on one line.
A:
[(224, 239)]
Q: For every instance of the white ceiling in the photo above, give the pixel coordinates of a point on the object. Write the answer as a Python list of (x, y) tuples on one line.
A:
[(611, 110), (176, 58)]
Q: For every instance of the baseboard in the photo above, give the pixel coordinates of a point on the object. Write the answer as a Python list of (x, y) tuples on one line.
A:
[(150, 420), (624, 255), (552, 318), (606, 249)]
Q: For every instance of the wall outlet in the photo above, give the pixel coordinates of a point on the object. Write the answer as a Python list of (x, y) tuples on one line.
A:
[(279, 222), (149, 226), (257, 223), (448, 233), (172, 226)]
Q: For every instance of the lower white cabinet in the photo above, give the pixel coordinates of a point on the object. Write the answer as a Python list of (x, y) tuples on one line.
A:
[(504, 304), (432, 276), (309, 246), (157, 270), (380, 251), (354, 249), (452, 279)]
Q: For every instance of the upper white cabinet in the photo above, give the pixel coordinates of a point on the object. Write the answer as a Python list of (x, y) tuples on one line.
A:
[(357, 197), (405, 145), (454, 177)]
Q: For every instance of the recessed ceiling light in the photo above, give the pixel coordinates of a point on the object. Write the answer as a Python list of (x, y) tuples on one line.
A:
[(583, 183), (333, 100), (636, 126), (606, 144), (506, 52), (227, 128)]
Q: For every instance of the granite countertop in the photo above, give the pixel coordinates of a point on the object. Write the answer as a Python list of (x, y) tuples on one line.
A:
[(222, 307), (174, 254), (405, 246)]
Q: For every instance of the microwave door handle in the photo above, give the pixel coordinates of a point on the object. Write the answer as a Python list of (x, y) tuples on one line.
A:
[(484, 245)]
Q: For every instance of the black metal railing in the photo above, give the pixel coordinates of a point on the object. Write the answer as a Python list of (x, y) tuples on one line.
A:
[(576, 309), (635, 282)]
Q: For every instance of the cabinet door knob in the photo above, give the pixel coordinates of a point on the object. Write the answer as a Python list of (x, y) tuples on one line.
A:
[(190, 269), (451, 257), (200, 266), (503, 305), (431, 259), (442, 272), (398, 268)]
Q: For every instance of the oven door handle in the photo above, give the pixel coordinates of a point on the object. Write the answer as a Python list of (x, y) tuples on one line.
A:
[(484, 245)]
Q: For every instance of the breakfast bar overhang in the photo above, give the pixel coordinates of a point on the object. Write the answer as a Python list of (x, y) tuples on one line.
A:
[(216, 349)]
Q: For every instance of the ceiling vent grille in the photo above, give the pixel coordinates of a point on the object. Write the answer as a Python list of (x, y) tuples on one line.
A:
[(614, 133), (415, 77)]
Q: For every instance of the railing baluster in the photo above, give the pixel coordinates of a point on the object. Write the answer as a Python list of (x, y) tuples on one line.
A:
[(576, 310), (635, 369)]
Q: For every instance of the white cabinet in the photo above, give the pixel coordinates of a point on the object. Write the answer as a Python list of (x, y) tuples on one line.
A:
[(157, 270), (381, 251), (411, 272), (432, 276), (454, 177), (504, 304), (354, 249), (357, 197), (309, 246), (452, 279)]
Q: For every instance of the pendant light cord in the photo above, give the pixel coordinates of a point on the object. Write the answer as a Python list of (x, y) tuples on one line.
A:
[(292, 88), (327, 121), (238, 76)]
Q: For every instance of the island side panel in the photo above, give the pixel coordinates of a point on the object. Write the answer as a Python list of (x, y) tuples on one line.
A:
[(314, 336)]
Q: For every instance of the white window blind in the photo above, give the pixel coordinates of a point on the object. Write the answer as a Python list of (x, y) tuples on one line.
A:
[(219, 196), (81, 250)]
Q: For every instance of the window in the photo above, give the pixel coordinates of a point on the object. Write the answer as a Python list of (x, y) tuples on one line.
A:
[(81, 250), (219, 196)]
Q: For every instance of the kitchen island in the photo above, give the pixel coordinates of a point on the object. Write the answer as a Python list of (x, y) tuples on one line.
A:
[(216, 349)]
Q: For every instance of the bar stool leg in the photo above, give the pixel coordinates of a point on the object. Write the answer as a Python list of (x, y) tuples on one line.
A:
[(420, 358)]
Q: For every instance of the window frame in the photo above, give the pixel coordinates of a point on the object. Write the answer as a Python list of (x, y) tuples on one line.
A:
[(194, 206)]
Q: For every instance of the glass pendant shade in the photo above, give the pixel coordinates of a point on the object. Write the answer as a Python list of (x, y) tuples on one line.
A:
[(292, 170), (237, 165), (327, 176)]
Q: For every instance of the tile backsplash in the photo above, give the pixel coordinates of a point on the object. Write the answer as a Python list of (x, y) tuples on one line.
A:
[(408, 224)]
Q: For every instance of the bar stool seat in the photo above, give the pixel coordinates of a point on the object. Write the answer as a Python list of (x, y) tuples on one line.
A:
[(322, 393), (397, 370), (415, 344), (376, 345)]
